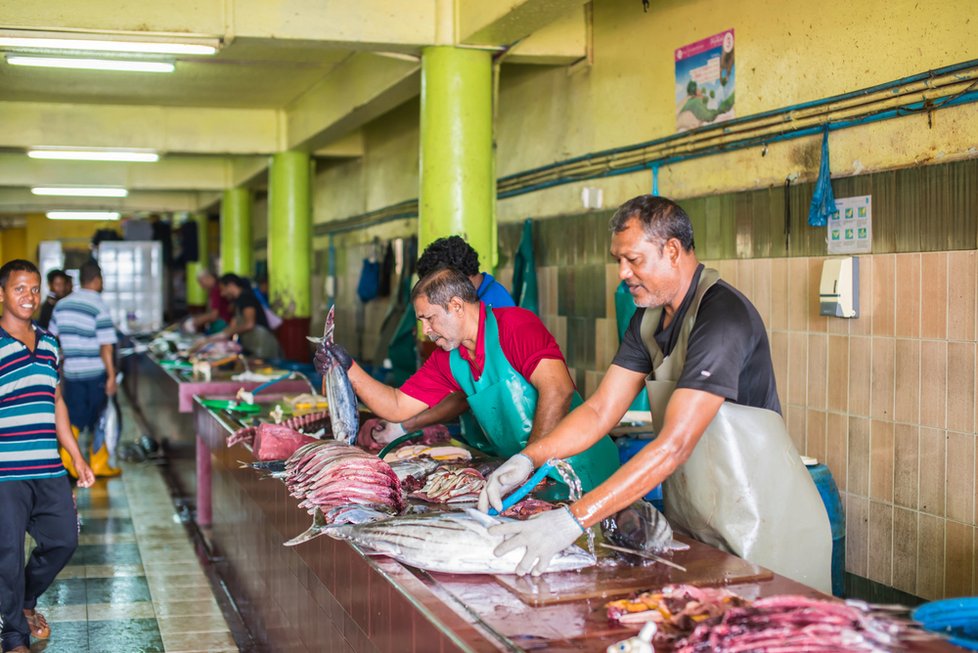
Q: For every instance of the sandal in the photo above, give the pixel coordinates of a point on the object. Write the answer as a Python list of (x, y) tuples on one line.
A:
[(38, 624)]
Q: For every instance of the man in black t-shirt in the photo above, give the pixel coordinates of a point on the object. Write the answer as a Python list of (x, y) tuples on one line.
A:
[(249, 323), (732, 476), (57, 287)]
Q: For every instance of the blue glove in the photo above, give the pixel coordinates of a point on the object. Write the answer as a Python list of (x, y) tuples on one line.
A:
[(543, 536)]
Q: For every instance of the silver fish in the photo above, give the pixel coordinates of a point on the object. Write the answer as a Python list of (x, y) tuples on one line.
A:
[(450, 542), (343, 413), (343, 515)]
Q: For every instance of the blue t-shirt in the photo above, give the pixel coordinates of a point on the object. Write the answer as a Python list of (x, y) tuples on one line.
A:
[(492, 293)]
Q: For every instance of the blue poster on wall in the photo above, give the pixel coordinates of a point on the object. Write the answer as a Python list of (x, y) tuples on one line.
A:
[(705, 81)]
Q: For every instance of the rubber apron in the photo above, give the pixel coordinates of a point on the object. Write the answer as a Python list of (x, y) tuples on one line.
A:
[(744, 489), (504, 404)]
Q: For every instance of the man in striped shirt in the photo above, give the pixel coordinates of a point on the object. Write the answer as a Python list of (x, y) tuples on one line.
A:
[(35, 494), (82, 323)]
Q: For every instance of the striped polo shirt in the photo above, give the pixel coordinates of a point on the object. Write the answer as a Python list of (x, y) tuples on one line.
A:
[(82, 323), (28, 441)]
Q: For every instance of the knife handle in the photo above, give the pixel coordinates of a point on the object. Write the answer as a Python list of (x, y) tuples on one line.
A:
[(524, 489)]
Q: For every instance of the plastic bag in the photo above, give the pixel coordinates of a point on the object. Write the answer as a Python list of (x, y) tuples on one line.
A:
[(823, 201), (640, 527), (369, 285), (108, 428)]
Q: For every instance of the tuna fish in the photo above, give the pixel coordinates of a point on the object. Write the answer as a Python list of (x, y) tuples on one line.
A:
[(450, 542), (344, 416)]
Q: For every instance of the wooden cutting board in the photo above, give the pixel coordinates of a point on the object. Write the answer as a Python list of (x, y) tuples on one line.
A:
[(705, 565)]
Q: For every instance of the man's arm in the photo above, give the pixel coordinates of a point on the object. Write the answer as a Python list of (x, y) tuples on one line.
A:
[(246, 323), (105, 351), (554, 392), (444, 411), (67, 440), (205, 318), (386, 402)]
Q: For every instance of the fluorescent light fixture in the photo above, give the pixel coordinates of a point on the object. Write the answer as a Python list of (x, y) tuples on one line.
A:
[(80, 191), (70, 154), (93, 45), (83, 215), (92, 64)]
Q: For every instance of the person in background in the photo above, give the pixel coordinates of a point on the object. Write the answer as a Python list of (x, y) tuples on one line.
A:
[(35, 494), (83, 324), (219, 312), (249, 323), (699, 349), (454, 252), (58, 283)]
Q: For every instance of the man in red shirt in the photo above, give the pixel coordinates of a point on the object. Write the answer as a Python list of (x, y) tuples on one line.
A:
[(502, 363)]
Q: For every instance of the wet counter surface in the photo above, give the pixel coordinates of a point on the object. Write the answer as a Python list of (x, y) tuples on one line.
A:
[(326, 595)]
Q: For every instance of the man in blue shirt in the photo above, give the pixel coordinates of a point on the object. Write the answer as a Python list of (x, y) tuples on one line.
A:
[(35, 494)]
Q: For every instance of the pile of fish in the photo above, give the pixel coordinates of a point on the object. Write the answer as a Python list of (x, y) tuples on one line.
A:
[(328, 474), (452, 486), (450, 542), (308, 424), (343, 411), (443, 454), (413, 472)]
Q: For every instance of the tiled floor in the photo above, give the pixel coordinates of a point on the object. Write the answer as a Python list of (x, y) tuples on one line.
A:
[(134, 584)]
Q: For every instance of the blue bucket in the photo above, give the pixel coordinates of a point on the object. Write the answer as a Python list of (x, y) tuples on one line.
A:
[(628, 446), (837, 520)]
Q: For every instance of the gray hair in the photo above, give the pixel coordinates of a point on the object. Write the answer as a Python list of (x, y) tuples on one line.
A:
[(442, 285), (661, 219)]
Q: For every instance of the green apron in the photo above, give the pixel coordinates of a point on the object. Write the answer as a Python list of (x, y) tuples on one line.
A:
[(504, 403)]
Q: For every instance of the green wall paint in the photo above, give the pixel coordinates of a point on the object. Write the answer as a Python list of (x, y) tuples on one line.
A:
[(236, 232), (196, 295), (289, 231)]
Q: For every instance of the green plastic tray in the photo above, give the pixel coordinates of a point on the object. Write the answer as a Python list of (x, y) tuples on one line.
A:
[(226, 404)]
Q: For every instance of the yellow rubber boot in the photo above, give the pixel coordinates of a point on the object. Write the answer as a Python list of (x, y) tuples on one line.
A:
[(99, 461), (66, 459)]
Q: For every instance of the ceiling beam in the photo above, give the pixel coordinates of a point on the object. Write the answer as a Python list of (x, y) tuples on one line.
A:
[(506, 22), (20, 200)]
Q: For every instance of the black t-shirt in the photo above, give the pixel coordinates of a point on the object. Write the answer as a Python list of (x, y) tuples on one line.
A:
[(47, 308), (247, 299), (727, 354)]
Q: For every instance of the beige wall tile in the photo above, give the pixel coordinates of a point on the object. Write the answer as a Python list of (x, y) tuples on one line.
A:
[(959, 571), (815, 443), (863, 325), (930, 556), (881, 461), (860, 374), (857, 532), (816, 322), (796, 419), (960, 500), (907, 295), (905, 550), (880, 554), (933, 383), (797, 368), (761, 297), (962, 285), (728, 271), (837, 448), (779, 357), (818, 345), (881, 382), (884, 294), (906, 463), (933, 447), (779, 294), (933, 295), (602, 357), (838, 373), (611, 282), (961, 386), (798, 294), (745, 277), (906, 380), (857, 481)]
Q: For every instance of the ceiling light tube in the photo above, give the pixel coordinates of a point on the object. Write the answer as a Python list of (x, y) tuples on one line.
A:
[(80, 191), (142, 47), (92, 64), (83, 215), (68, 154)]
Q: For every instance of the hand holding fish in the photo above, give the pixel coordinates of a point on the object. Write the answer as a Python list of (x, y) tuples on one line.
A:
[(543, 536), (509, 476)]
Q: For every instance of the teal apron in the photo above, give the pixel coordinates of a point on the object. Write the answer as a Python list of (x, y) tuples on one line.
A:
[(504, 404)]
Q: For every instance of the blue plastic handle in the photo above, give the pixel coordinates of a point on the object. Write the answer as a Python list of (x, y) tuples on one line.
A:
[(524, 489), (270, 383)]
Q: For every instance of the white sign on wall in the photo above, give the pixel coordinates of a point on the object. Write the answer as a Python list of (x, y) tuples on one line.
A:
[(850, 228)]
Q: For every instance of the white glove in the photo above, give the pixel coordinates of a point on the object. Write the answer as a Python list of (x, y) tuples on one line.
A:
[(509, 476), (543, 536), (386, 432)]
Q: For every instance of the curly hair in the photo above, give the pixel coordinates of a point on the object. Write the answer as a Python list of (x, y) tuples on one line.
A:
[(451, 252)]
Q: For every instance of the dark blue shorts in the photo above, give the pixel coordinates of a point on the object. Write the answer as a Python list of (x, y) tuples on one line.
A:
[(86, 400)]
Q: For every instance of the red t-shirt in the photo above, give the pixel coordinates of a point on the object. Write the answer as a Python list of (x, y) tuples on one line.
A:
[(224, 310), (524, 340)]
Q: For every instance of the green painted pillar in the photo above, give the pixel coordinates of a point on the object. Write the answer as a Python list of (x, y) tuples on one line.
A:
[(457, 189), (236, 232), (290, 249), (196, 295)]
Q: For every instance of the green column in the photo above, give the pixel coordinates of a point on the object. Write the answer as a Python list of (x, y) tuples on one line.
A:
[(457, 189), (196, 296), (289, 234), (236, 232)]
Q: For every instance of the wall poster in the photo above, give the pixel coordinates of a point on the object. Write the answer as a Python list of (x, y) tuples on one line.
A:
[(705, 81), (850, 228)]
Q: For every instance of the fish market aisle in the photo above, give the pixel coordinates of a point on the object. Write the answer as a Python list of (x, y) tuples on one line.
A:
[(135, 583)]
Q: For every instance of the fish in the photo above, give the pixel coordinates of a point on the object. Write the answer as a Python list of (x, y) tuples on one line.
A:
[(335, 517), (448, 542), (344, 416)]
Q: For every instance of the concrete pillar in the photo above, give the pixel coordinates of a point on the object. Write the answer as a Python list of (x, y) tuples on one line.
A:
[(197, 296), (457, 189), (290, 249), (236, 232)]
